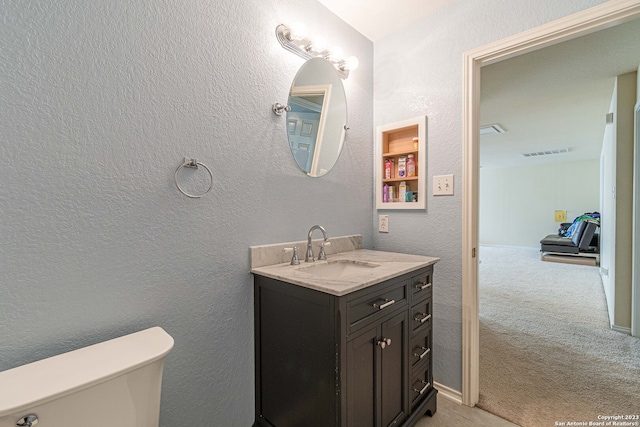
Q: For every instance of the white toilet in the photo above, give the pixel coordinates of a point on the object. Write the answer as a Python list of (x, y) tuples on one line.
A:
[(113, 383)]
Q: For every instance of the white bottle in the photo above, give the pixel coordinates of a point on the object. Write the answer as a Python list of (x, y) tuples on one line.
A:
[(411, 166), (402, 167), (402, 191)]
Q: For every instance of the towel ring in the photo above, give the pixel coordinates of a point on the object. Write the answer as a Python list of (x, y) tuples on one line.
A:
[(192, 163)]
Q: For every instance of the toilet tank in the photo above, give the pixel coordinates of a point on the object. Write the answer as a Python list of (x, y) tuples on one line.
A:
[(109, 384)]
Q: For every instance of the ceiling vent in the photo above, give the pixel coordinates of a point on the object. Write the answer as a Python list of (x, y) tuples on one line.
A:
[(491, 129), (547, 152)]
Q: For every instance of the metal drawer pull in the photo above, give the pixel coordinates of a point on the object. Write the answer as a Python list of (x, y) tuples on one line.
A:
[(384, 342), (425, 388), (384, 305), (426, 351), (28, 421), (424, 319), (422, 286)]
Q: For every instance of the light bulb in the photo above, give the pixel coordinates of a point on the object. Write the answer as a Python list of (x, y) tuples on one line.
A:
[(298, 31), (318, 44), (351, 63), (335, 54)]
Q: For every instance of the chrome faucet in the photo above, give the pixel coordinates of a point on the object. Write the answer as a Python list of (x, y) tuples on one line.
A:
[(321, 256)]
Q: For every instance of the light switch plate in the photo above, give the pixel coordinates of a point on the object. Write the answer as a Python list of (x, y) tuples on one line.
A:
[(443, 185), (383, 223)]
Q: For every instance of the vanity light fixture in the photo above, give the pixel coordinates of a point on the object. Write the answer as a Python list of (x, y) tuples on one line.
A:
[(295, 40)]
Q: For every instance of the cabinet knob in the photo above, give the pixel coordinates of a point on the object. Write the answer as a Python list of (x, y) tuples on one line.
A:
[(384, 342)]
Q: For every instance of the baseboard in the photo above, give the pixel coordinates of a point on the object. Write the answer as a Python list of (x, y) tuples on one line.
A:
[(448, 393), (622, 329)]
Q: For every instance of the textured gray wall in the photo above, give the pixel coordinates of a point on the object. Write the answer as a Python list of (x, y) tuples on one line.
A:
[(99, 103), (419, 72)]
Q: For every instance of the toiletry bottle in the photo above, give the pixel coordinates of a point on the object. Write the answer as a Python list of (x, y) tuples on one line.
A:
[(402, 167), (392, 193), (411, 166), (385, 193), (415, 143), (402, 191), (388, 169)]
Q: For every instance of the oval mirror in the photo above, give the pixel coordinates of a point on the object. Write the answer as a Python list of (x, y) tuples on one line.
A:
[(317, 119)]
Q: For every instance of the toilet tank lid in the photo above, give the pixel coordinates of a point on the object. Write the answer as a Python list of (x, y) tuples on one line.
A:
[(39, 382)]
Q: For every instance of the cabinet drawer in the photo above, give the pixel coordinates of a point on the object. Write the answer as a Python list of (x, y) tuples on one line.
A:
[(373, 305), (421, 316), (420, 350), (422, 285), (421, 383)]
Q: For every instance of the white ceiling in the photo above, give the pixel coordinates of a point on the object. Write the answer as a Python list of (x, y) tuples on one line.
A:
[(549, 99), (555, 97), (376, 19)]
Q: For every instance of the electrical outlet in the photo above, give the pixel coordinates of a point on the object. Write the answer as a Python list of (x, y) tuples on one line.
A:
[(443, 185), (383, 223)]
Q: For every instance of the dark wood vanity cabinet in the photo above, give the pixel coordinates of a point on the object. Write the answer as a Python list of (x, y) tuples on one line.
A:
[(377, 375), (358, 360)]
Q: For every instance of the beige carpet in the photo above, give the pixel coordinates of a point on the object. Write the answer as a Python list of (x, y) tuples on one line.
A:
[(547, 353)]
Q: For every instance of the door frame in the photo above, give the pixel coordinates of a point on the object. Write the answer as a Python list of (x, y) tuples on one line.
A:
[(635, 271), (325, 92), (605, 15)]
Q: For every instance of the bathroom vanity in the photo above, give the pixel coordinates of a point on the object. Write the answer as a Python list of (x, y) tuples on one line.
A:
[(344, 342)]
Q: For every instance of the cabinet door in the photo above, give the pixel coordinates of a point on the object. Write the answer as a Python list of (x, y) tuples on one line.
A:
[(393, 368), (377, 374), (361, 378)]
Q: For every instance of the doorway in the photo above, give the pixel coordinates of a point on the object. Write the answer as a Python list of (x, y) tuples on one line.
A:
[(600, 17), (635, 295)]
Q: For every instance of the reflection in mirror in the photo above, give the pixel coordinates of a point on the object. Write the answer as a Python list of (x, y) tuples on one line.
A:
[(318, 116)]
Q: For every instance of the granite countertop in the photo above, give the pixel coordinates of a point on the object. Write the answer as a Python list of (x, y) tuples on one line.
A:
[(385, 265)]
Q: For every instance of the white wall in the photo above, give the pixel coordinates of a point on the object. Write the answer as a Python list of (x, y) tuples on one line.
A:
[(517, 204), (608, 208), (635, 292), (617, 202), (624, 197), (418, 71), (638, 85), (100, 101)]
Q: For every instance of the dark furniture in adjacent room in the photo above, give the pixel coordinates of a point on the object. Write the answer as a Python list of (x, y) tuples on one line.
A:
[(581, 248)]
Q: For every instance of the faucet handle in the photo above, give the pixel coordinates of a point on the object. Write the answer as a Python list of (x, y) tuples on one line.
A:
[(294, 258), (322, 255)]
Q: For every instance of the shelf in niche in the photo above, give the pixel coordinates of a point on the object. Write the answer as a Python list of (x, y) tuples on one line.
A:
[(400, 153), (395, 140), (409, 178), (398, 205)]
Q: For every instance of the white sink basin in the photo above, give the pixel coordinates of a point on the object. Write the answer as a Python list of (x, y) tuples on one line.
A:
[(337, 268)]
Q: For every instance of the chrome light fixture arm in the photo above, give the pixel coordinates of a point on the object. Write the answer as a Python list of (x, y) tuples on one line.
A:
[(304, 48)]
